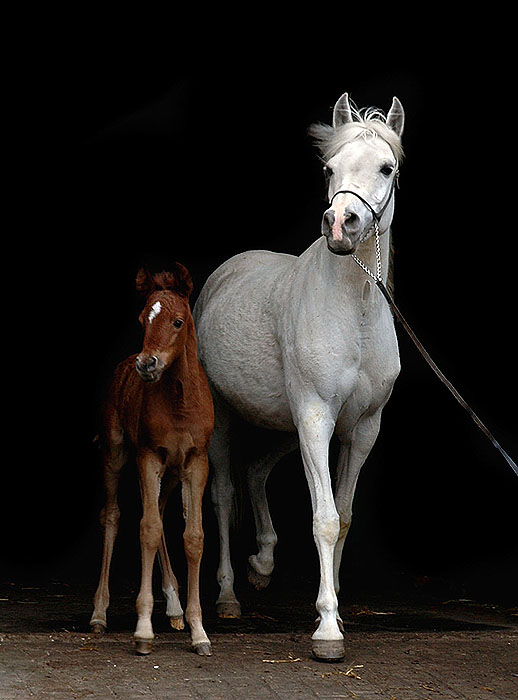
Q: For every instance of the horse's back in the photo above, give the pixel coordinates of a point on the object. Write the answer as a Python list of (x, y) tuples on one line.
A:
[(242, 271), (237, 339)]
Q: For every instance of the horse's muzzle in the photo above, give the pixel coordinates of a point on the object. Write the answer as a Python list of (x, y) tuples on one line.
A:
[(149, 367), (342, 237)]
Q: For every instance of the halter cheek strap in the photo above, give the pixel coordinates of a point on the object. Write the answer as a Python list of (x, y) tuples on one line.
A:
[(375, 215)]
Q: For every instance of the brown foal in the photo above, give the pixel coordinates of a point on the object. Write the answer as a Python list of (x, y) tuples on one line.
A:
[(159, 401)]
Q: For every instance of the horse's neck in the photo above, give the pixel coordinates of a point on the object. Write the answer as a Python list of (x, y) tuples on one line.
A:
[(342, 272), (185, 368)]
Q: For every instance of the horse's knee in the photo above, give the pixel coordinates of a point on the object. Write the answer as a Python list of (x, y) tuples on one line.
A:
[(193, 543), (326, 528), (150, 530)]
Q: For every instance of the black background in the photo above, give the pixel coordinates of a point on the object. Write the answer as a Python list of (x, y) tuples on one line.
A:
[(132, 147)]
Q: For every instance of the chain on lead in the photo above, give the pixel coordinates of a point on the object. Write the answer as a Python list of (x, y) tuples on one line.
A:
[(376, 277)]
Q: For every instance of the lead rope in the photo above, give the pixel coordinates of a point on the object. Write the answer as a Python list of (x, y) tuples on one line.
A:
[(397, 313)]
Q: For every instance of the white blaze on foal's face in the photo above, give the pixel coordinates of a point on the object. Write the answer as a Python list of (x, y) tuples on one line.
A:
[(155, 310)]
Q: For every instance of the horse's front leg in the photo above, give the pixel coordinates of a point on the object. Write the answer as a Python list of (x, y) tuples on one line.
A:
[(354, 450), (150, 474), (193, 486), (315, 426)]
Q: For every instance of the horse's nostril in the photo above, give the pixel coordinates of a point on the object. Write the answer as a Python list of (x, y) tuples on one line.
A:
[(327, 222), (147, 363), (329, 217)]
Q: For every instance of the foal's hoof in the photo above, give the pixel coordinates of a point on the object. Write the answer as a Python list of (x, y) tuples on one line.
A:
[(328, 650), (97, 628), (230, 610), (258, 581), (203, 649), (177, 623), (143, 647)]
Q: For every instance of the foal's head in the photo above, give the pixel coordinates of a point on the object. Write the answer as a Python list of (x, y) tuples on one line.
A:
[(166, 319)]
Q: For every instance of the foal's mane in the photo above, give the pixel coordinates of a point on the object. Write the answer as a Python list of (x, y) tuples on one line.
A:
[(368, 122)]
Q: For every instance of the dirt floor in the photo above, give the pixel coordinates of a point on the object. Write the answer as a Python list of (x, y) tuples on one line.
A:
[(396, 650)]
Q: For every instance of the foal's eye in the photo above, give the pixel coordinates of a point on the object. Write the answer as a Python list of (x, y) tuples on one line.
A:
[(178, 323), (387, 170), (328, 173)]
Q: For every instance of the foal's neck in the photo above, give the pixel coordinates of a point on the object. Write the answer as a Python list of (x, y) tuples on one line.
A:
[(185, 367)]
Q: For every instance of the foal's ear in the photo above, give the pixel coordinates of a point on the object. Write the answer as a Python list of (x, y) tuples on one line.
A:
[(342, 111), (145, 283), (183, 280), (396, 117)]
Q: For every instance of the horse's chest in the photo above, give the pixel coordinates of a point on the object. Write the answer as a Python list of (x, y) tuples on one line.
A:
[(353, 364)]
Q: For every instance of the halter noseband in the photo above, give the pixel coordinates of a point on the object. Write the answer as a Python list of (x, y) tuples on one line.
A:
[(376, 216)]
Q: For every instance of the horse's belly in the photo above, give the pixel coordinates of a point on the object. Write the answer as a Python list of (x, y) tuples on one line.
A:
[(253, 384), (237, 345)]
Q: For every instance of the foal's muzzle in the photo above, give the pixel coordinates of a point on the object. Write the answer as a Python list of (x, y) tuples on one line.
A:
[(149, 367)]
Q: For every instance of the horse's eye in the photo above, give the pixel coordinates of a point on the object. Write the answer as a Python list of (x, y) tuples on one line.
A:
[(178, 323), (328, 173), (387, 170)]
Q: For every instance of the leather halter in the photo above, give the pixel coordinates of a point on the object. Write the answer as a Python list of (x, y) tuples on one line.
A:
[(375, 215)]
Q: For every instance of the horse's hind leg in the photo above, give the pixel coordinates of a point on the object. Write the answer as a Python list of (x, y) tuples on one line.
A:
[(169, 583), (114, 459), (278, 444), (222, 492)]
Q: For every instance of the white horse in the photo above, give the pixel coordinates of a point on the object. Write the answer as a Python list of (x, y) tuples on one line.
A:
[(305, 347)]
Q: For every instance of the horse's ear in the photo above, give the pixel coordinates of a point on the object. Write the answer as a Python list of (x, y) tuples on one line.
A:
[(145, 283), (396, 117), (342, 111), (183, 280)]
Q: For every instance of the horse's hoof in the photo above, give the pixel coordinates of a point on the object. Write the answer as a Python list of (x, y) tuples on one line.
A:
[(97, 628), (203, 649), (258, 581), (143, 646), (229, 611), (177, 623), (328, 650)]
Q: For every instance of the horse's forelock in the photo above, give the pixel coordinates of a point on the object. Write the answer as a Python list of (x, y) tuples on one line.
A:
[(368, 122), (178, 281)]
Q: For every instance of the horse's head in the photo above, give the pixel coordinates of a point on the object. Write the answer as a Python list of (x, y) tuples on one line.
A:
[(166, 318), (361, 152)]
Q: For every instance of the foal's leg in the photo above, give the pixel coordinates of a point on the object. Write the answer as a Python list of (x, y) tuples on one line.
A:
[(315, 426), (271, 447), (114, 458), (169, 583), (150, 474), (222, 492), (193, 486)]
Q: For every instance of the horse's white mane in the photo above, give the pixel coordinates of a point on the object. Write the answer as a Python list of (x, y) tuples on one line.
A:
[(367, 122)]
